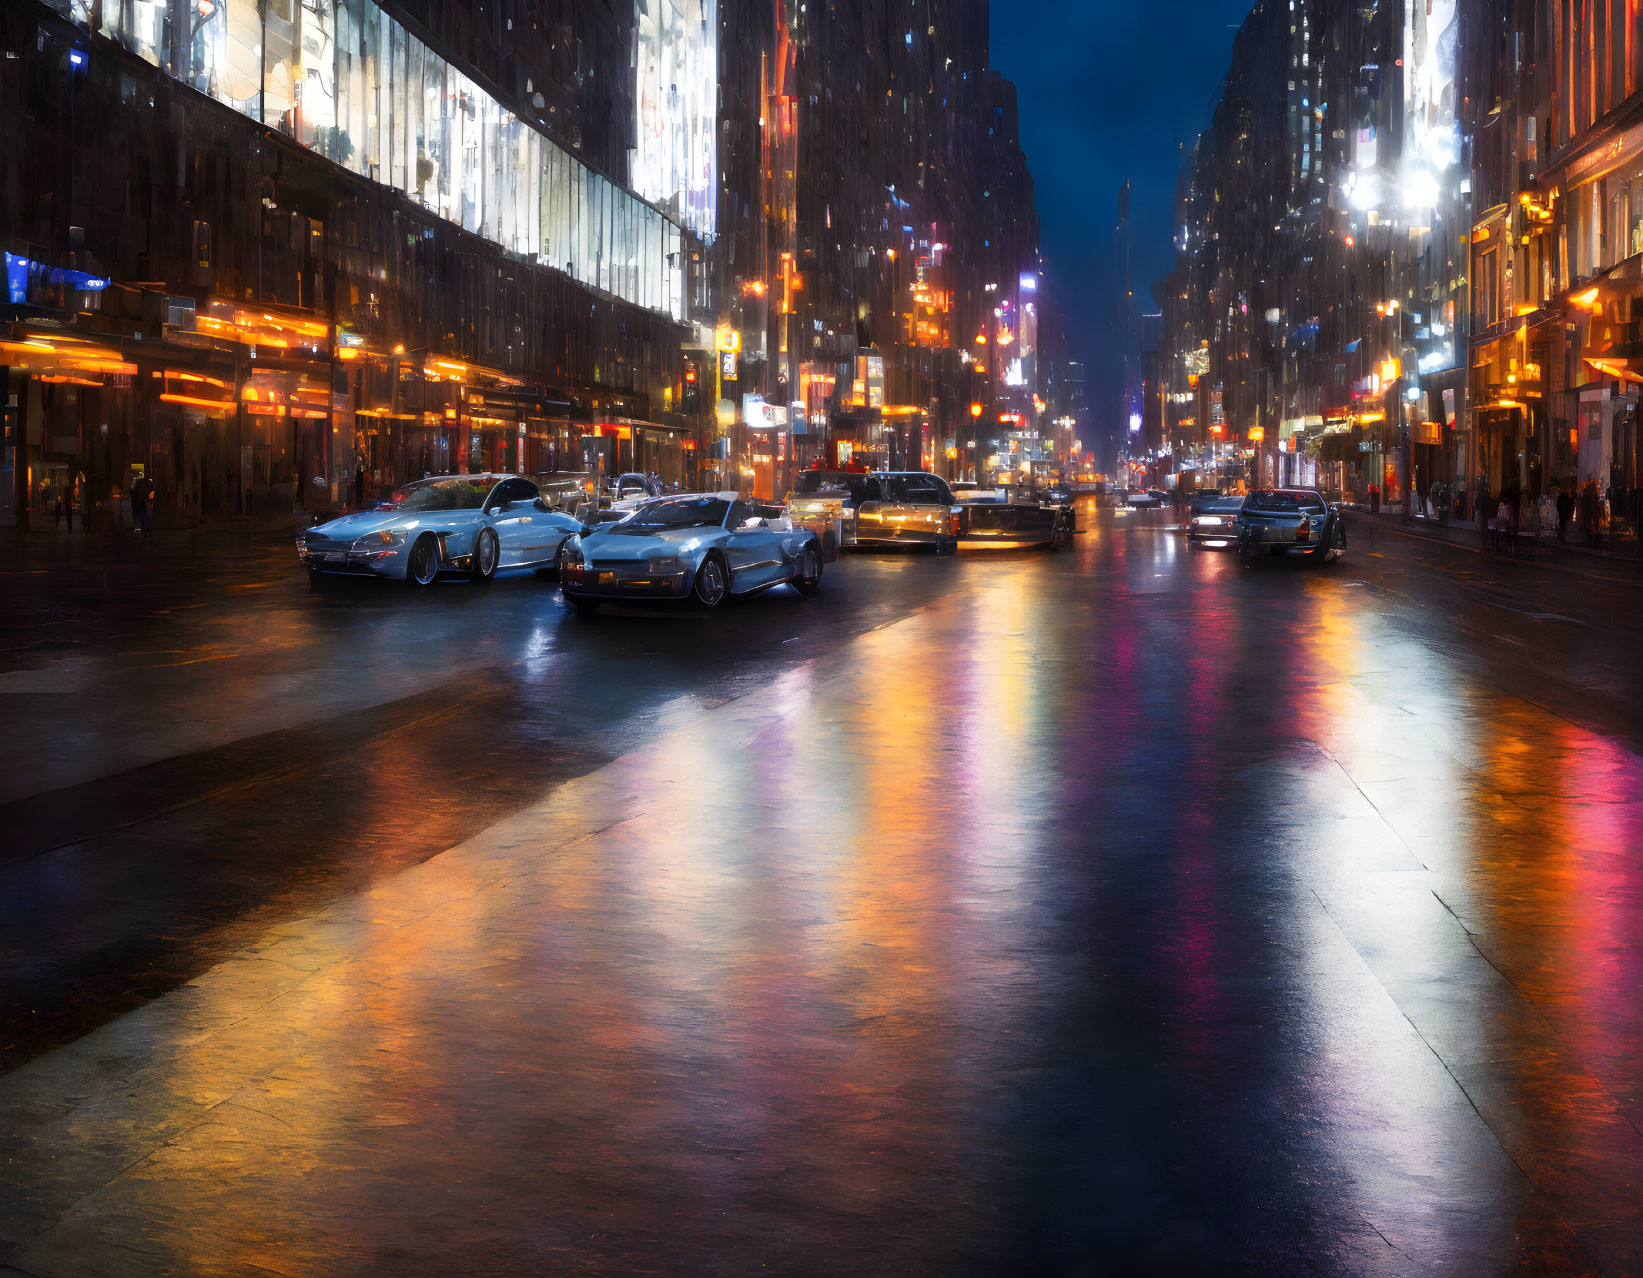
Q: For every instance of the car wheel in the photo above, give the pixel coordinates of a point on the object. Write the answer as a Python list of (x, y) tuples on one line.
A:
[(487, 554), (711, 585), (316, 579), (422, 564), (1337, 545), (947, 545), (807, 572)]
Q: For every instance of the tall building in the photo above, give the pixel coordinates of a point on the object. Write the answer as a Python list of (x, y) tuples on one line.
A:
[(1313, 318), (291, 253), (1555, 104), (1431, 303)]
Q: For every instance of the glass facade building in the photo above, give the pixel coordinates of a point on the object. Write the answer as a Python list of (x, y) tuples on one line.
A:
[(350, 83), (675, 154)]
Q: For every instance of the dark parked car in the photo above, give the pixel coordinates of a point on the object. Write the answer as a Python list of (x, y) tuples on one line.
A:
[(1213, 522), (1013, 520), (1284, 521)]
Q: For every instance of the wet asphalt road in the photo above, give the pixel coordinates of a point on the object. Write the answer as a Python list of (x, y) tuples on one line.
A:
[(1123, 909)]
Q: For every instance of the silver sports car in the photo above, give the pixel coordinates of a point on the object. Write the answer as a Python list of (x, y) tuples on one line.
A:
[(696, 546), (472, 524)]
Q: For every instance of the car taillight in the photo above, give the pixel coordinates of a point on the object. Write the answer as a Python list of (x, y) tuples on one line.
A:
[(953, 520), (1304, 528)]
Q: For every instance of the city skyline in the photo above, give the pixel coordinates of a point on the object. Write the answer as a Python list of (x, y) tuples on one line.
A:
[(1110, 91)]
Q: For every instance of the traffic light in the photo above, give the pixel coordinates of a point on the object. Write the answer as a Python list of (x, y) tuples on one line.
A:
[(691, 400)]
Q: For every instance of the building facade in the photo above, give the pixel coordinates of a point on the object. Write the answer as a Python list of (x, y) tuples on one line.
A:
[(279, 255), (1408, 253), (1556, 244), (273, 257)]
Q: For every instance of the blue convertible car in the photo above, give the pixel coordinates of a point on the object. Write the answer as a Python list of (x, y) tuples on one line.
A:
[(698, 546), (470, 524)]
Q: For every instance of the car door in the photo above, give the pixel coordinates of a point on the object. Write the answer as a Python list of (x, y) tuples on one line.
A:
[(542, 530), (755, 554), (867, 503), (933, 499), (513, 508)]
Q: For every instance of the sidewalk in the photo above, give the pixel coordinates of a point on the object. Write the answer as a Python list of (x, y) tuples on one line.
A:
[(48, 548), (1548, 550)]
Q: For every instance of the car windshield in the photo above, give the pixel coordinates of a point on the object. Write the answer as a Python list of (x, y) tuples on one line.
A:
[(820, 481), (1284, 503), (685, 512), (446, 494)]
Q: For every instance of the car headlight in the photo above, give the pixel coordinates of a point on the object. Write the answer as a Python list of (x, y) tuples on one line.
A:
[(377, 540), (663, 563)]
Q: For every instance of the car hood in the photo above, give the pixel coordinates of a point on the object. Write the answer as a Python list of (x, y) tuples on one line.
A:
[(370, 521), (610, 542)]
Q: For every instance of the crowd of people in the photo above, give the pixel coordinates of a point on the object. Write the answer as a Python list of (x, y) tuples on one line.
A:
[(1591, 511)]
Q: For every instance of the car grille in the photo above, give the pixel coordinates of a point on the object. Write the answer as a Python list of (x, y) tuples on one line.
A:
[(621, 567)]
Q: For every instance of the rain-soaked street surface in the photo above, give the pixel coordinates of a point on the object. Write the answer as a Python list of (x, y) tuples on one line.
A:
[(1115, 910)]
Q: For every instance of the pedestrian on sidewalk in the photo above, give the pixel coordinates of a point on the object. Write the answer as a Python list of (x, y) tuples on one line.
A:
[(1565, 511), (65, 504), (1590, 509), (142, 493), (1374, 499), (1540, 521)]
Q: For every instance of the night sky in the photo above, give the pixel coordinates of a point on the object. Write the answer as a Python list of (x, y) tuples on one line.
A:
[(1109, 89)]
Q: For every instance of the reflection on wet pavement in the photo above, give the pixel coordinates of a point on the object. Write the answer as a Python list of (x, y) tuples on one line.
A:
[(1113, 911)]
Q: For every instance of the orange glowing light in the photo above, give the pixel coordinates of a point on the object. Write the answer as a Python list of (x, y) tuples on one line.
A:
[(1609, 367), (220, 405), (193, 377)]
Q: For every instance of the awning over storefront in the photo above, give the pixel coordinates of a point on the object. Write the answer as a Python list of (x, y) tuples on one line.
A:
[(1340, 445), (56, 356)]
